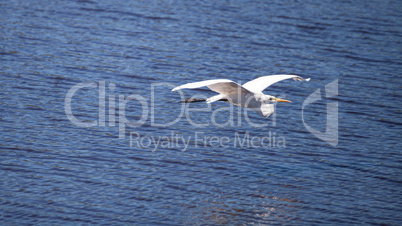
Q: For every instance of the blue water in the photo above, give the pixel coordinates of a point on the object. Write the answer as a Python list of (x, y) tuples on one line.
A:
[(56, 172)]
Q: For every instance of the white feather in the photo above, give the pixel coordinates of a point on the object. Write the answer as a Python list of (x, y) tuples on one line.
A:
[(261, 83)]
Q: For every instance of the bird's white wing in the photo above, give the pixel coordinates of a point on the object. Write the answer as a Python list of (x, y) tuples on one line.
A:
[(222, 86), (195, 85), (259, 84)]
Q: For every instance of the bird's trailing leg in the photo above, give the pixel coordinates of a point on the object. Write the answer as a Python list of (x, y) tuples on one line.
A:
[(193, 100)]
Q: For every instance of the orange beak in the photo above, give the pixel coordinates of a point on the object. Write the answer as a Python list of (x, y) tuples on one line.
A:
[(281, 100)]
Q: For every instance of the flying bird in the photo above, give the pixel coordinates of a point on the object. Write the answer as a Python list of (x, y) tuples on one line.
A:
[(248, 95)]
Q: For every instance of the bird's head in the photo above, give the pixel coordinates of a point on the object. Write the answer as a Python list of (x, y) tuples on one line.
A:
[(272, 99)]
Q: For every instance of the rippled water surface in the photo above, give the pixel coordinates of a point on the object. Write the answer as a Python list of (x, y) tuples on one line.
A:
[(174, 163)]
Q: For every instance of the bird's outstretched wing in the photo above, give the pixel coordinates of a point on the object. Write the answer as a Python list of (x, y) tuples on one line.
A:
[(259, 84), (222, 86)]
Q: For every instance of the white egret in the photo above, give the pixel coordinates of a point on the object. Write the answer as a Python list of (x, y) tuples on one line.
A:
[(249, 95)]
